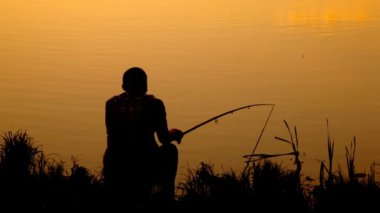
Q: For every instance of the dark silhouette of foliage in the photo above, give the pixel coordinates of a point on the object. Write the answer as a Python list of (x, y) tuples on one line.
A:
[(30, 180)]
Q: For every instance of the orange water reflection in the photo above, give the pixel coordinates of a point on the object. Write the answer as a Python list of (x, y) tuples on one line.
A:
[(325, 15)]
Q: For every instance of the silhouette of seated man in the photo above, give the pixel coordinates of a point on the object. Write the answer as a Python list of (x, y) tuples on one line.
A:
[(134, 163)]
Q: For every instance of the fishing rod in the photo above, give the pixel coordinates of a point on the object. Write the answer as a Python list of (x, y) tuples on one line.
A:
[(226, 113)]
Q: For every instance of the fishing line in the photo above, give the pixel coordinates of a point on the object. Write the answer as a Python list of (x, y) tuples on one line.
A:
[(261, 134)]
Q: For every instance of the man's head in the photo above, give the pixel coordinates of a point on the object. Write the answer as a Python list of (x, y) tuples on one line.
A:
[(135, 81)]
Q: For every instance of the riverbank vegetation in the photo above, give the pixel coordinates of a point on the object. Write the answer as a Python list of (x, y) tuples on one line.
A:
[(30, 180)]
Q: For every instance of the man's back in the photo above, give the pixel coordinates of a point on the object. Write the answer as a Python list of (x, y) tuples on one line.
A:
[(133, 161), (132, 120)]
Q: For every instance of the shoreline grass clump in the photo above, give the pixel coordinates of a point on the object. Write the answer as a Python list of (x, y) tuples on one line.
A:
[(264, 186), (354, 192), (205, 189), (31, 180)]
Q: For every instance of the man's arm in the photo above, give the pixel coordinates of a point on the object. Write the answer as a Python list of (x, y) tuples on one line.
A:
[(164, 134)]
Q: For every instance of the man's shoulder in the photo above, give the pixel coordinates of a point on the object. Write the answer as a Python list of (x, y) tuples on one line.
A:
[(112, 99), (115, 98), (153, 99)]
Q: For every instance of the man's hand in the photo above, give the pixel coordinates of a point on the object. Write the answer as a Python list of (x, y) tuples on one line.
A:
[(176, 135)]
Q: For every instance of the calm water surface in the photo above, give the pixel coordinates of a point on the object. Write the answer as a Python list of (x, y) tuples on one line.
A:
[(314, 59)]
